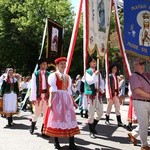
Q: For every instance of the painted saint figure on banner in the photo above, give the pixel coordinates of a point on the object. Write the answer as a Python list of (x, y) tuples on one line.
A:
[(54, 41), (99, 22), (144, 34), (101, 13)]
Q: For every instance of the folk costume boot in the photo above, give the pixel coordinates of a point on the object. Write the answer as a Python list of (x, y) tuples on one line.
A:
[(32, 127), (91, 128), (94, 125), (120, 124), (44, 135), (86, 114), (129, 126), (81, 113), (11, 119), (72, 145), (107, 120), (9, 122), (56, 143)]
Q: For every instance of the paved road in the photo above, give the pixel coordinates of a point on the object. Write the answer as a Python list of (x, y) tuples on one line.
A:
[(108, 138)]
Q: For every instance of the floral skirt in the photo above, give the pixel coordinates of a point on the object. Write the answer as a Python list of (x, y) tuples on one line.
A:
[(61, 120)]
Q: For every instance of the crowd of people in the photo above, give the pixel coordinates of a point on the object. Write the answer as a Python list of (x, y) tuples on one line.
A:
[(55, 95)]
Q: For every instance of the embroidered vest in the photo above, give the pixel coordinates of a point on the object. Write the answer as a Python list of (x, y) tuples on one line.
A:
[(89, 89), (39, 85), (9, 87), (112, 85), (62, 84)]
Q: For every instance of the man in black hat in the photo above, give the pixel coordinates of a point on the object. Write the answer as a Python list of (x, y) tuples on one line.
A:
[(113, 99), (39, 92), (93, 89)]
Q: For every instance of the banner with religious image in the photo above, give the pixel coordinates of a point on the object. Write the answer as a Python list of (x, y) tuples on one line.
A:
[(137, 27), (54, 40), (99, 23)]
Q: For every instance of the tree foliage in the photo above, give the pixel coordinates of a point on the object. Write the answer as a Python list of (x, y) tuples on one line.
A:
[(22, 24)]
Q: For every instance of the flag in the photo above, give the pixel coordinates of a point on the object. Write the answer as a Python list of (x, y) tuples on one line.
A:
[(137, 27), (99, 23), (54, 40)]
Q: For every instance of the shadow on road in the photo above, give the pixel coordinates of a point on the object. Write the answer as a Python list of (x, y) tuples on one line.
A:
[(106, 132), (19, 126)]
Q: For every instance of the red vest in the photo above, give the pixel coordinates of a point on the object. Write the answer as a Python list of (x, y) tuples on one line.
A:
[(62, 83)]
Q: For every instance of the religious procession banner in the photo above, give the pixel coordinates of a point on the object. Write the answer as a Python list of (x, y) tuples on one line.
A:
[(54, 40), (99, 23), (137, 27)]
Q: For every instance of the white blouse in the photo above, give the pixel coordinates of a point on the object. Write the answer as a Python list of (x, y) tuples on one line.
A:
[(52, 82)]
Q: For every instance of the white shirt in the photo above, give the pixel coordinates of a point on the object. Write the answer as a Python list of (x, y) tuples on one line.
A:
[(43, 80), (93, 79), (24, 85)]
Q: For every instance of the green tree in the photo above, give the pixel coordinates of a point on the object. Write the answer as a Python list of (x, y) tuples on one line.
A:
[(22, 24)]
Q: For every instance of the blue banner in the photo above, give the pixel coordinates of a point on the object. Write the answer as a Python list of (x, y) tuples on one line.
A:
[(137, 27)]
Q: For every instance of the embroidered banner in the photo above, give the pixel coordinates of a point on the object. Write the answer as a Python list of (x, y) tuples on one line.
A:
[(137, 27), (54, 40), (99, 23)]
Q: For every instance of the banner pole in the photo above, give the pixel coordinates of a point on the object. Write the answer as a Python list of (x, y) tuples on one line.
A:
[(125, 60), (73, 38), (86, 32), (122, 48)]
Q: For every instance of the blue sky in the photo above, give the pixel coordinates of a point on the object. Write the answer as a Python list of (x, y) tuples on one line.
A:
[(75, 4)]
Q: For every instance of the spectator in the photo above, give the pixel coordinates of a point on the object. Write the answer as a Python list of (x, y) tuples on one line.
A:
[(140, 85), (23, 90), (122, 89)]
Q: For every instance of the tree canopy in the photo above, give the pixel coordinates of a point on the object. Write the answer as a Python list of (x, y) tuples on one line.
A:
[(21, 29)]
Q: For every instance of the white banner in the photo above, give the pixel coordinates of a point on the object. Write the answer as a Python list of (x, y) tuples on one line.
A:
[(99, 23)]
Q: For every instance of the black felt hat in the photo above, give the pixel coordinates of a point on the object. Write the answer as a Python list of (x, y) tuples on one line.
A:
[(112, 66), (90, 58), (42, 60)]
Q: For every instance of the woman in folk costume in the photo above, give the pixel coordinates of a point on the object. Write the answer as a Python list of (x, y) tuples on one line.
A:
[(9, 92), (60, 120)]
